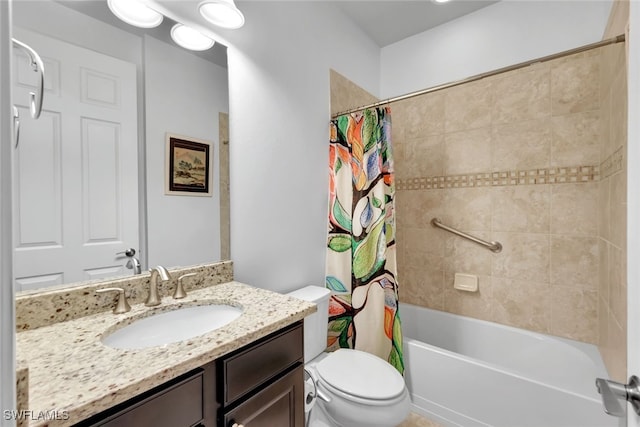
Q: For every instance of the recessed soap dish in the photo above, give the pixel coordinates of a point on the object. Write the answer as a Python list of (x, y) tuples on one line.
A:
[(466, 282)]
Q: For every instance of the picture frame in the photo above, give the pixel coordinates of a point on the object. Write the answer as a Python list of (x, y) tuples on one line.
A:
[(188, 166)]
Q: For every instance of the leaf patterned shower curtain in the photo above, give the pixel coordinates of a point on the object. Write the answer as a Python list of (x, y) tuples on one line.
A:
[(361, 250)]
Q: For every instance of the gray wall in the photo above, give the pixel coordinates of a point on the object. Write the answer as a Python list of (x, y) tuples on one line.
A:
[(279, 113), (183, 95)]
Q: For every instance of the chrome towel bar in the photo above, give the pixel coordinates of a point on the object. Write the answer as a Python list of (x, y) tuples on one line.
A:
[(35, 98), (492, 246)]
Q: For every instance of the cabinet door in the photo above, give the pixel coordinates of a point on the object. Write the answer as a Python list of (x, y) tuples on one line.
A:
[(280, 404)]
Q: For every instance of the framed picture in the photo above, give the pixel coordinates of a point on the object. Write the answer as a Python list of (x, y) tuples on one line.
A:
[(188, 166)]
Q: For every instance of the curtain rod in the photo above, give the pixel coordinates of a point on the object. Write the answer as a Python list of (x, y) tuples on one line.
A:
[(595, 45)]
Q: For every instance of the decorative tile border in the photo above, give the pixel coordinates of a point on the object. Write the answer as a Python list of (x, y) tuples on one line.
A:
[(560, 175), (613, 164)]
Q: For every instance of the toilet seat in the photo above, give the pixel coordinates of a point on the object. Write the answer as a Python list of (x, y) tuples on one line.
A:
[(359, 375)]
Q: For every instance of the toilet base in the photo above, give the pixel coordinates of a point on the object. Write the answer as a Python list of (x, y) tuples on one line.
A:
[(319, 418)]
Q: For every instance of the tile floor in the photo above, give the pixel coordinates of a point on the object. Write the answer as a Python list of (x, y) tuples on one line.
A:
[(415, 420)]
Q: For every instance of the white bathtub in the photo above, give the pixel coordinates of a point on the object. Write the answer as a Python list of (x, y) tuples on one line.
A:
[(467, 372)]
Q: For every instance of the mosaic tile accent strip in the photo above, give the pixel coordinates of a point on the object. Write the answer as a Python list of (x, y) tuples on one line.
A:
[(613, 164), (560, 175)]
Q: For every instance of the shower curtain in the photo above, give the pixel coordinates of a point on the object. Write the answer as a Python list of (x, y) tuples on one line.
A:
[(361, 249)]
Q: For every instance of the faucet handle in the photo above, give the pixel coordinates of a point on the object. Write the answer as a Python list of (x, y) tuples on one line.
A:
[(122, 306), (180, 292)]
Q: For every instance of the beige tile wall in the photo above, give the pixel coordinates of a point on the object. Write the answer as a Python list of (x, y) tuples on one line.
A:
[(612, 208), (514, 158), (535, 159), (225, 202), (618, 19), (346, 95)]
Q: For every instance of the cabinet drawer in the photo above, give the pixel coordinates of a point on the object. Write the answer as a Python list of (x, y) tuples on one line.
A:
[(251, 368), (280, 404), (178, 406)]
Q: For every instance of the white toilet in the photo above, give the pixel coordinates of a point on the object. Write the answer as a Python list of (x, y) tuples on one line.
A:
[(353, 388)]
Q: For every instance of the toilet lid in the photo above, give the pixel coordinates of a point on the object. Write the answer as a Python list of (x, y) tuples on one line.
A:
[(361, 374)]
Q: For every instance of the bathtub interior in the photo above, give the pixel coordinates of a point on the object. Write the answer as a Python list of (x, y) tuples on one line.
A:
[(468, 372)]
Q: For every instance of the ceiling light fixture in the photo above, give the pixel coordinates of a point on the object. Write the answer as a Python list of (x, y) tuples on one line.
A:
[(189, 38), (440, 1), (222, 13), (135, 12)]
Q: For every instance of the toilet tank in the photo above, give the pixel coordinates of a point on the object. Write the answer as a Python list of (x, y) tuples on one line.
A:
[(315, 325)]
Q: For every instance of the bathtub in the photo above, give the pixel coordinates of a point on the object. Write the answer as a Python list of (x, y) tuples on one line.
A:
[(466, 372)]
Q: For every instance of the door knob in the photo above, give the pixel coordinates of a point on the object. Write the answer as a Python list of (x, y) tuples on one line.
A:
[(613, 392), (128, 253)]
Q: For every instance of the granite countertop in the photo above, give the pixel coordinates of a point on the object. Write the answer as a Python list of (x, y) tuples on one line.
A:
[(72, 374)]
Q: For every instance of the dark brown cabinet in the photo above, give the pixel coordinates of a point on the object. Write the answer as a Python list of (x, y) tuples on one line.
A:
[(162, 409), (186, 401), (262, 385), (273, 406), (259, 385)]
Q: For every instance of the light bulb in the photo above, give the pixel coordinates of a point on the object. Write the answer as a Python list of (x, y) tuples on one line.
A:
[(189, 38), (222, 13), (135, 12)]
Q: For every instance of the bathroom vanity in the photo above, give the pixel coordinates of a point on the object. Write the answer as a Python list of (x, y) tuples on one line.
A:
[(261, 382), (248, 371)]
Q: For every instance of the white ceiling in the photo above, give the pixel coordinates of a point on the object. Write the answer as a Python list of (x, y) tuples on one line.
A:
[(98, 9), (387, 22), (384, 21)]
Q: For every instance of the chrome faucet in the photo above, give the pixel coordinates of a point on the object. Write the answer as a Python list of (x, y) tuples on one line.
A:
[(133, 263), (154, 299)]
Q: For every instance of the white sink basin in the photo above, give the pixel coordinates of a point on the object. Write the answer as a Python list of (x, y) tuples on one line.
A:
[(172, 326)]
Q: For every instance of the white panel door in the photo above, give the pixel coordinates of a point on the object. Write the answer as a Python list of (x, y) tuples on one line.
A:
[(75, 174)]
